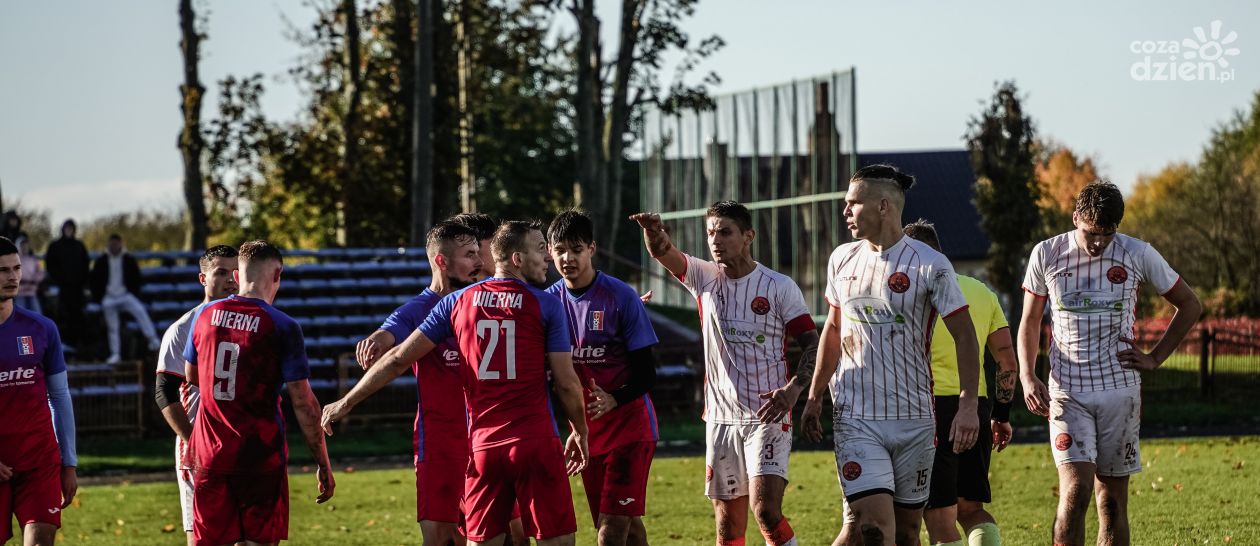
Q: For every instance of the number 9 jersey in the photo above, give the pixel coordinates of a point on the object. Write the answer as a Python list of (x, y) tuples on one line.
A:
[(504, 329), (245, 350)]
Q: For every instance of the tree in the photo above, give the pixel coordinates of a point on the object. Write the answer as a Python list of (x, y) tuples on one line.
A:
[(190, 141), (605, 101), (1001, 143), (1061, 174)]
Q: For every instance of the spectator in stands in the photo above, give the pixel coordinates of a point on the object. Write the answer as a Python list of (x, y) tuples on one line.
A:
[(32, 275), (115, 283), (67, 261), (11, 226)]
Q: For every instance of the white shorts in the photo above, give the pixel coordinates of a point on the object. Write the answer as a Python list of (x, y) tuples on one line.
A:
[(892, 457), (183, 477), (1099, 427), (735, 453)]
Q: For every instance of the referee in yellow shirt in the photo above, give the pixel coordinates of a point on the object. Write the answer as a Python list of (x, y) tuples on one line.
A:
[(960, 482)]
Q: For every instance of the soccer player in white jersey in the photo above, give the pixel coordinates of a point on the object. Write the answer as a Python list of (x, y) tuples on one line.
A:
[(748, 312), (1090, 277), (885, 291), (176, 397)]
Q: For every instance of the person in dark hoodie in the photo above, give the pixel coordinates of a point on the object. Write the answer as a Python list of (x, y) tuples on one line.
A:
[(11, 225), (67, 263), (115, 283)]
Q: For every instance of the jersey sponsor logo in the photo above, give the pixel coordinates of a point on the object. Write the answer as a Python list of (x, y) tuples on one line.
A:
[(871, 310), (595, 321), (18, 374), (451, 356), (740, 332), (54, 510), (760, 305), (1117, 274), (1063, 441), (851, 471), (26, 345), (626, 501), (899, 282), (502, 300), (1091, 302), (588, 352), (234, 320)]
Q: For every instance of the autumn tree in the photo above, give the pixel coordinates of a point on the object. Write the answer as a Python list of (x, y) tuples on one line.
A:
[(1000, 141), (1061, 174)]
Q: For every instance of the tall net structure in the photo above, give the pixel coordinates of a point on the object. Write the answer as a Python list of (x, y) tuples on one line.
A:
[(785, 151)]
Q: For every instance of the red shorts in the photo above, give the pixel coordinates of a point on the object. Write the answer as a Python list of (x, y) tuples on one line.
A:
[(228, 508), (439, 490), (34, 496), (529, 474), (616, 482)]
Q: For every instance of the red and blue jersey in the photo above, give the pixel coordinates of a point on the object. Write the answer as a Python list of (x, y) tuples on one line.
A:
[(606, 322), (504, 329), (30, 351), (245, 350), (441, 428)]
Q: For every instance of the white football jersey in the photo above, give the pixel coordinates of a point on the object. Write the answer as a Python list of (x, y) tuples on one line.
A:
[(888, 303), (1092, 302), (171, 361), (745, 323)]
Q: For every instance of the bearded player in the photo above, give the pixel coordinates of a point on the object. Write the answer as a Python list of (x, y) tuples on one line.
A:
[(509, 336), (612, 352), (748, 312), (1091, 276)]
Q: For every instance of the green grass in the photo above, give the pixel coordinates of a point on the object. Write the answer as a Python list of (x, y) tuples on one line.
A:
[(1193, 491)]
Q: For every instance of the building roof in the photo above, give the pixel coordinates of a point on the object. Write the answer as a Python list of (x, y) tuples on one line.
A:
[(942, 195)]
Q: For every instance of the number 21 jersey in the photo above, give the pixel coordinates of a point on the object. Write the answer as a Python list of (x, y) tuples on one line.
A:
[(245, 350)]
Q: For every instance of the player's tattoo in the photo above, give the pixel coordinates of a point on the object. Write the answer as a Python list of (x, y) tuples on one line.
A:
[(809, 351), (658, 242), (1006, 385)]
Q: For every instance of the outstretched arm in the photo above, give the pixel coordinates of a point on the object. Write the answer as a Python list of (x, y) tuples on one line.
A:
[(658, 243), (306, 408), (388, 368), (370, 348)]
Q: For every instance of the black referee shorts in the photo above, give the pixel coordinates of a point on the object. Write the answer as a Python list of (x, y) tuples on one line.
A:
[(965, 474)]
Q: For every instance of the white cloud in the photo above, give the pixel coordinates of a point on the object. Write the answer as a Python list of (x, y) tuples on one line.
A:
[(87, 200)]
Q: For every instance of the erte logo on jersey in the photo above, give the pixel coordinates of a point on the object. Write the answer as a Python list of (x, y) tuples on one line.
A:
[(20, 373), (588, 352), (595, 321), (760, 305), (451, 356), (26, 346)]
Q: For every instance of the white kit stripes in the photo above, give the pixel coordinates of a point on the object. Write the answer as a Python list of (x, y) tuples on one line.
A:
[(1092, 303), (745, 329), (889, 302)]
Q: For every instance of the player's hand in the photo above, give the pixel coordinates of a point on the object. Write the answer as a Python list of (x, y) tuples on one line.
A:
[(1134, 359), (601, 402), (366, 352), (646, 297), (779, 403), (6, 472), (649, 221), (575, 450), (69, 485), (326, 484), (1002, 435), (1036, 396), (333, 412), (965, 428), (810, 423)]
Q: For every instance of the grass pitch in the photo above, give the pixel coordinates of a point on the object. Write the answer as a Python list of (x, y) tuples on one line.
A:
[(1192, 491)]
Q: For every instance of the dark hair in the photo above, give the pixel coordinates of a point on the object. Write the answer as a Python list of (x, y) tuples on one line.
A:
[(881, 171), (446, 232), (481, 224), (115, 237), (217, 251), (923, 231), (733, 211), (258, 251), (1101, 204), (511, 238), (7, 247), (571, 226)]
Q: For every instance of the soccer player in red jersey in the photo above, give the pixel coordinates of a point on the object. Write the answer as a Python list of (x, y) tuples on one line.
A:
[(37, 455), (176, 398), (509, 335), (241, 352), (612, 351)]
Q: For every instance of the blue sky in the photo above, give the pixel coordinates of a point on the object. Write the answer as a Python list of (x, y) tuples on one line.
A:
[(89, 103)]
